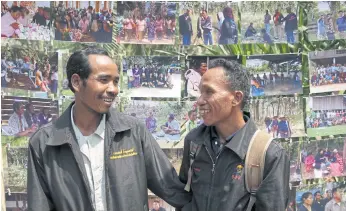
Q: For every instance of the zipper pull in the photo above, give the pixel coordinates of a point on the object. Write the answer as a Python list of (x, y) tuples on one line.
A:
[(213, 169)]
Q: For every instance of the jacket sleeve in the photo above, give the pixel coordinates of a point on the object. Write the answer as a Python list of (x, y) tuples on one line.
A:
[(162, 178), (38, 193), (185, 164), (275, 184)]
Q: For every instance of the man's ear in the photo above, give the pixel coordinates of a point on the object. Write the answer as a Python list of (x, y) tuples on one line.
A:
[(76, 82), (238, 98)]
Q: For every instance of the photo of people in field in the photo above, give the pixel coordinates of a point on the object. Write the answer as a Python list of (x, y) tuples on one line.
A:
[(146, 22)]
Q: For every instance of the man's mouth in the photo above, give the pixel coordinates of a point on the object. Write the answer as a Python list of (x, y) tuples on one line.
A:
[(203, 112), (108, 100)]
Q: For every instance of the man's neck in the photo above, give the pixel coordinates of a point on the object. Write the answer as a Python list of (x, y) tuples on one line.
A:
[(231, 125), (86, 120)]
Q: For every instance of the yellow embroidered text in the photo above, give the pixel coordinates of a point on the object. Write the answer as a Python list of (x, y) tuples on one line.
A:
[(123, 154)]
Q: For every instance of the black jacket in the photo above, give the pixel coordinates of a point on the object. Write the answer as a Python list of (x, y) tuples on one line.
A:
[(185, 25), (57, 178), (224, 189), (229, 32)]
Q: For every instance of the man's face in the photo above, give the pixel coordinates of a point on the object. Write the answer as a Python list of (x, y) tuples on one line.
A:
[(338, 195), (309, 200), (31, 109), (188, 12), (46, 15), (16, 15), (204, 14), (156, 206), (40, 11), (340, 14), (203, 68), (318, 196), (101, 87), (215, 100), (20, 110), (193, 116)]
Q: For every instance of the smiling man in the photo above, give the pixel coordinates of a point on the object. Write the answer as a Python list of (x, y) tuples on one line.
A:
[(215, 172), (94, 158)]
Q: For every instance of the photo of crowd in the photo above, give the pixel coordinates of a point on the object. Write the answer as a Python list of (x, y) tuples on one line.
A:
[(29, 20), (326, 195), (83, 21), (152, 76), (327, 20), (208, 23), (275, 74), (146, 22), (22, 116), (162, 119), (279, 117), (327, 71), (29, 70), (323, 158), (326, 115), (269, 22)]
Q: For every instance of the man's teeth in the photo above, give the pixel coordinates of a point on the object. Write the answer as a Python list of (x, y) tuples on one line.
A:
[(203, 112), (108, 100)]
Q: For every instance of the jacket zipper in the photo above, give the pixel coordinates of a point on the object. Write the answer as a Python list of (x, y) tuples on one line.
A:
[(212, 173), (84, 178)]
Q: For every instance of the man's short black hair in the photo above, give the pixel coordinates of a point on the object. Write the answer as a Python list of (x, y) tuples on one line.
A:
[(317, 192), (27, 106), (237, 76), (78, 63), (306, 195), (334, 190), (15, 9), (16, 106), (90, 8)]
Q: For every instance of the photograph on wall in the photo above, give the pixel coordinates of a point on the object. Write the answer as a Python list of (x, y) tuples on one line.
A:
[(326, 115), (161, 118), (327, 20), (195, 67), (293, 153), (175, 156), (281, 117), (29, 69), (269, 22), (83, 21), (155, 203), (317, 195), (15, 161), (155, 76), (146, 22), (275, 74), (324, 158), (30, 20), (208, 23), (327, 71), (22, 116)]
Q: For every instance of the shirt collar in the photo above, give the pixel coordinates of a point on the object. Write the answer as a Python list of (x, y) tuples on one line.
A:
[(100, 131)]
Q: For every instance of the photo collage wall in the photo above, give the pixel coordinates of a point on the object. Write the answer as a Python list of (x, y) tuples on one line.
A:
[(298, 97)]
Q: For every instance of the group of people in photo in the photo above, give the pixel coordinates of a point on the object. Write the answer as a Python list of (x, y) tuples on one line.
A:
[(323, 163), (278, 127), (331, 74), (226, 27), (278, 23), (326, 118), (327, 26), (260, 82), (329, 200), (27, 72), (171, 127), (137, 25), (17, 19), (83, 24), (25, 120), (152, 76)]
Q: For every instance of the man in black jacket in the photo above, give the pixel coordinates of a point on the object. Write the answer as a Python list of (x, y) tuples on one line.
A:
[(291, 24), (218, 179), (93, 157), (185, 27)]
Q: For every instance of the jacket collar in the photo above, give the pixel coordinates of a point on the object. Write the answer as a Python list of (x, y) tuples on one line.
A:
[(62, 131), (239, 142)]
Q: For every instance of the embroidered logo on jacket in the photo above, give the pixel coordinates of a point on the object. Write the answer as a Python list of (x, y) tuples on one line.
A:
[(237, 174), (123, 154)]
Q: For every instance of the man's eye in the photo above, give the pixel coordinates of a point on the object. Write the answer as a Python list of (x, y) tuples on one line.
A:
[(103, 80)]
